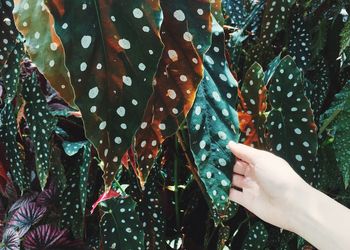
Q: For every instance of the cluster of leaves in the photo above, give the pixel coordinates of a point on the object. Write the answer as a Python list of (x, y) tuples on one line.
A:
[(127, 107)]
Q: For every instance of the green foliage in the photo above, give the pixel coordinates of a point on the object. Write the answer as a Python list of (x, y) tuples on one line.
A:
[(137, 100)]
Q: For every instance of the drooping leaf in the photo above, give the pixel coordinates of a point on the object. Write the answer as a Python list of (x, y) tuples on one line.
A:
[(256, 237), (57, 170), (120, 225), (25, 217), (337, 117), (213, 122), (299, 42), (41, 125), (10, 240), (317, 87), (224, 234), (253, 105), (8, 34), (112, 58), (8, 134), (35, 22), (70, 201), (186, 36), (290, 123), (10, 72), (274, 20), (47, 237)]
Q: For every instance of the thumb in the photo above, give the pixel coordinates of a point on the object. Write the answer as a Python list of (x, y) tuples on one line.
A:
[(243, 152)]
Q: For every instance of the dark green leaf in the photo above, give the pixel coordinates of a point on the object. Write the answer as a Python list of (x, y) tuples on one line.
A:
[(256, 238)]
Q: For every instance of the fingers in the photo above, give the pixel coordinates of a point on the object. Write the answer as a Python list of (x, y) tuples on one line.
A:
[(240, 167), (243, 152), (236, 196), (238, 181)]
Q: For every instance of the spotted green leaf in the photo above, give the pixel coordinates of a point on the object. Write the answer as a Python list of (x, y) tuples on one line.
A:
[(299, 42), (120, 225), (253, 105), (41, 125), (57, 170), (317, 85), (84, 174), (186, 36), (70, 200), (8, 134), (213, 122), (256, 238), (345, 37), (235, 11), (337, 117), (274, 20), (112, 52), (8, 34), (271, 69), (224, 234), (290, 123), (10, 72)]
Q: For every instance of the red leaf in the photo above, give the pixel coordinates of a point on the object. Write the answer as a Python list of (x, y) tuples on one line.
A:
[(105, 196)]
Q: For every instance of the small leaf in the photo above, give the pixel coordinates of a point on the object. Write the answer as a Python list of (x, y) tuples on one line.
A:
[(212, 123), (25, 217), (71, 148), (120, 225), (34, 20), (224, 234), (84, 174), (290, 123), (41, 125), (104, 197), (256, 238)]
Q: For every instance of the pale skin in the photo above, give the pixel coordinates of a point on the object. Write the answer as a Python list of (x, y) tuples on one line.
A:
[(278, 195)]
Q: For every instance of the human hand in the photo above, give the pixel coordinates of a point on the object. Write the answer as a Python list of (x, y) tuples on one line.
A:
[(270, 187)]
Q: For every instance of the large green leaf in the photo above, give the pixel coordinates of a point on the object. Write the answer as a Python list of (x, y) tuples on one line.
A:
[(112, 52), (290, 123), (213, 122), (35, 22), (186, 36), (41, 125), (337, 119), (120, 225), (9, 33), (8, 134)]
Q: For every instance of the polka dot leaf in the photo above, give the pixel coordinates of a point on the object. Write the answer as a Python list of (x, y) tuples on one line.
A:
[(271, 69), (299, 42), (10, 73), (290, 123), (120, 225), (8, 134), (253, 105), (336, 118), (212, 123), (256, 238), (72, 148), (274, 20), (44, 47), (186, 36), (223, 236), (112, 57), (41, 125), (235, 11), (84, 174), (8, 32)]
